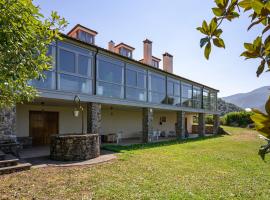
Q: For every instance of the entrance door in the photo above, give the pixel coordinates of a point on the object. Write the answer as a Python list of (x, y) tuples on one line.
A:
[(42, 125)]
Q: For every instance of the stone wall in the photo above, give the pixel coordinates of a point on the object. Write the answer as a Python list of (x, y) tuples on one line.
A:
[(7, 123), (208, 129), (74, 147)]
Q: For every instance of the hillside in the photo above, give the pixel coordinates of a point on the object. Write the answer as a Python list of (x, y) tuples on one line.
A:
[(225, 107), (253, 99)]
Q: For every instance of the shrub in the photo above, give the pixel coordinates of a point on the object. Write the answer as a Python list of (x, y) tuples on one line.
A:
[(209, 119), (240, 119)]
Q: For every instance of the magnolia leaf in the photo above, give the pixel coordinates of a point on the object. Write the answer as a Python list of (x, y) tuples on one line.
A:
[(204, 41), (217, 11), (217, 32), (219, 43), (261, 68), (249, 47), (213, 25), (266, 29), (205, 26), (267, 5), (207, 50), (257, 6), (262, 122)]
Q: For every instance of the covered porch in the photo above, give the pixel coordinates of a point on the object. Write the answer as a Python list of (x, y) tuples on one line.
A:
[(115, 124)]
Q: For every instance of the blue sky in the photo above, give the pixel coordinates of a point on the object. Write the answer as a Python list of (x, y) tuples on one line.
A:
[(171, 25)]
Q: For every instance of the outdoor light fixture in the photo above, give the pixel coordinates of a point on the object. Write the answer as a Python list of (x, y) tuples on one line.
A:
[(78, 107)]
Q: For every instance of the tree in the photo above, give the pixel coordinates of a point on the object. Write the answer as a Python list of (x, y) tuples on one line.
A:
[(258, 49), (24, 38)]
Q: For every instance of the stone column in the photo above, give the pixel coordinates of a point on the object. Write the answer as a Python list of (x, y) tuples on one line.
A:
[(201, 124), (93, 118), (7, 122), (216, 124), (147, 123), (180, 128)]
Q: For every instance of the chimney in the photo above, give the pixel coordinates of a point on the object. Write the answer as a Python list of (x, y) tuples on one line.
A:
[(147, 52), (168, 62), (111, 46)]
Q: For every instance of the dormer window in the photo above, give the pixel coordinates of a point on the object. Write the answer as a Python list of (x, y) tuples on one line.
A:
[(155, 62), (85, 37), (124, 50), (83, 34)]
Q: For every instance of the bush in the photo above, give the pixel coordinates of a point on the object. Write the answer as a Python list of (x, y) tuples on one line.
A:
[(209, 119), (239, 119)]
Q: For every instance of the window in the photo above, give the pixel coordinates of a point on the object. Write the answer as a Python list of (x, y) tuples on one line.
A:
[(110, 77), (157, 92), (173, 92), (125, 52), (197, 97), (67, 61), (213, 101), (155, 63), (48, 82), (85, 37), (206, 99), (135, 83), (186, 95), (74, 69)]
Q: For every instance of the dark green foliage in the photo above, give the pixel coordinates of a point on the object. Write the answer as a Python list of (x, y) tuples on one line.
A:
[(24, 38), (239, 119)]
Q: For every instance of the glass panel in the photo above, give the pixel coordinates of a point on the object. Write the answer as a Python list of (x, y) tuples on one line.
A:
[(156, 83), (135, 94), (170, 89), (176, 89), (131, 78), (66, 61), (186, 91), (206, 99), (110, 72), (75, 84), (109, 90), (73, 48), (84, 66), (141, 80), (157, 97), (47, 83), (173, 100), (186, 102), (213, 102)]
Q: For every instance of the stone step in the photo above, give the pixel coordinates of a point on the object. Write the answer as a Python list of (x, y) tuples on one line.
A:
[(2, 155), (9, 161), (16, 168)]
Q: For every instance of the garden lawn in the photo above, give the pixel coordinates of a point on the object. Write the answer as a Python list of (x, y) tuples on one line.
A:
[(225, 167)]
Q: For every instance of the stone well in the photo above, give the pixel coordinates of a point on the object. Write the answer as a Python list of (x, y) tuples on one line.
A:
[(74, 147)]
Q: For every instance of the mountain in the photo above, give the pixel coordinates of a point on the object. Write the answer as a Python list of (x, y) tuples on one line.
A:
[(225, 107), (253, 99)]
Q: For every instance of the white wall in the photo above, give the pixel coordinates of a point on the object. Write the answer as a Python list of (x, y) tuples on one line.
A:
[(112, 121), (167, 126), (67, 122), (127, 121), (189, 122)]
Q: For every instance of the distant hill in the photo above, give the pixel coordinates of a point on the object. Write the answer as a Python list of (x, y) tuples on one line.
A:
[(225, 107), (253, 99)]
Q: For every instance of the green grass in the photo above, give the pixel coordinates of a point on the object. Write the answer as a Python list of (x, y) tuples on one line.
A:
[(225, 167)]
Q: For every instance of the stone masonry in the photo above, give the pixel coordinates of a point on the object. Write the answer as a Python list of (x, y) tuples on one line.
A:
[(147, 122), (180, 125), (74, 147), (201, 124), (7, 123), (216, 125), (93, 118)]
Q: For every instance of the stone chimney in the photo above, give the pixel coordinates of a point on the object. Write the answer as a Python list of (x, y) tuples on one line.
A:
[(111, 46), (168, 62), (147, 52)]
